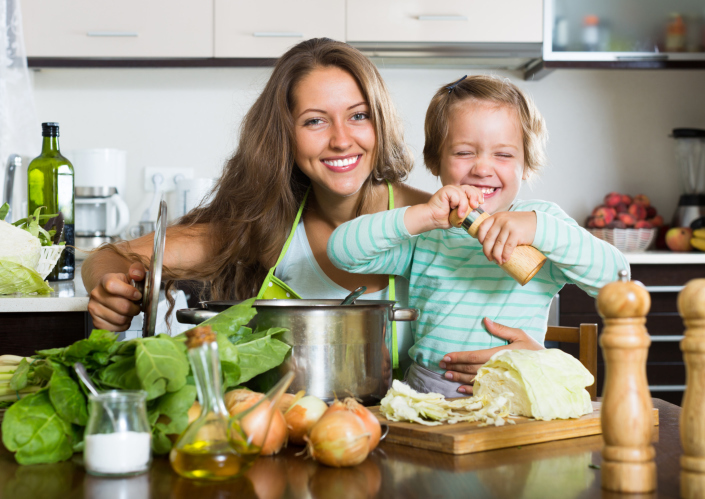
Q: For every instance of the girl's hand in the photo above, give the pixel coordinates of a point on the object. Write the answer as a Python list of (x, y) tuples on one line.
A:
[(112, 301), (504, 231), (463, 366), (434, 214)]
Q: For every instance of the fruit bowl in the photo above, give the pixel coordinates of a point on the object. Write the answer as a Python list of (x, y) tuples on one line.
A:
[(626, 240)]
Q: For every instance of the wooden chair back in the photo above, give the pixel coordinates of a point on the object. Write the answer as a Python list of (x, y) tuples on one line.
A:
[(586, 337)]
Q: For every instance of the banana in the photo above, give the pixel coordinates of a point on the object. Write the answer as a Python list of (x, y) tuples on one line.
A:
[(698, 243), (699, 233)]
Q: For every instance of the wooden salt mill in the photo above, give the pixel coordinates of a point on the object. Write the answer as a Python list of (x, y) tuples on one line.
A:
[(626, 415), (691, 306), (525, 261)]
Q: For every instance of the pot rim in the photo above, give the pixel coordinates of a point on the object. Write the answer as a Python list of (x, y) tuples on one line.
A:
[(297, 303)]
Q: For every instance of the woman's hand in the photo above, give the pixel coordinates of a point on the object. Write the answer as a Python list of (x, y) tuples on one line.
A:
[(504, 231), (112, 301), (463, 366), (434, 214)]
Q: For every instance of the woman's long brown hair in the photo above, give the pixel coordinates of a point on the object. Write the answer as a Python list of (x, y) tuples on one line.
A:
[(254, 203)]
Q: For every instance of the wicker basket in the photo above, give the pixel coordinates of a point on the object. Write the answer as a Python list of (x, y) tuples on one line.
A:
[(47, 260), (627, 240)]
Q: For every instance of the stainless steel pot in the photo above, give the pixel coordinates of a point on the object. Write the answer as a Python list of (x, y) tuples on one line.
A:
[(336, 350)]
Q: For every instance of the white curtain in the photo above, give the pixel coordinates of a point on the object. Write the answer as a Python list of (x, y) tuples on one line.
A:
[(20, 130)]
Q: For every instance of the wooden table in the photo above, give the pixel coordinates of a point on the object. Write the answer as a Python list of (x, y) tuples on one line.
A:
[(551, 470)]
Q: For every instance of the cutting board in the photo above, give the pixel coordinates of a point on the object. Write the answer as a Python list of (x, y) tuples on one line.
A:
[(465, 438)]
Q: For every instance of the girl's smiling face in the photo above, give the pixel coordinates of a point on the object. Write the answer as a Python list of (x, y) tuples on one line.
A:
[(484, 148), (335, 138)]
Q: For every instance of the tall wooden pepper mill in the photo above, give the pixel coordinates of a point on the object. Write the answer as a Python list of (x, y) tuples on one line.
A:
[(627, 456), (691, 306)]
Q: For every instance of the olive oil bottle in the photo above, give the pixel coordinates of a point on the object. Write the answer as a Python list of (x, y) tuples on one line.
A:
[(50, 183)]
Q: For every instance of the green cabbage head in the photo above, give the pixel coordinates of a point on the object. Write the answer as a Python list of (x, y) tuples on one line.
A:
[(545, 384)]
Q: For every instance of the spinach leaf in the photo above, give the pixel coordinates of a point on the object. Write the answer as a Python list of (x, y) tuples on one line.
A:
[(229, 321), (35, 432), (121, 375), (66, 396), (19, 379), (4, 210), (175, 406), (161, 365), (258, 356)]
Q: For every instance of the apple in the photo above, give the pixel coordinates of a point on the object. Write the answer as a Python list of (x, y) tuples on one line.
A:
[(613, 199), (657, 221), (627, 218), (605, 212), (643, 224), (638, 211), (622, 208), (642, 199), (627, 199), (678, 238)]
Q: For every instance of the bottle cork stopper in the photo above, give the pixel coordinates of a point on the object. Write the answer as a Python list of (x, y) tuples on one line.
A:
[(623, 299), (199, 336)]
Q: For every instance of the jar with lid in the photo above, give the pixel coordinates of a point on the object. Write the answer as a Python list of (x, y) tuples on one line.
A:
[(118, 438), (675, 33), (591, 33)]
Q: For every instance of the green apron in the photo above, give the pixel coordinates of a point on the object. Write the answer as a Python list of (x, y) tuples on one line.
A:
[(274, 288)]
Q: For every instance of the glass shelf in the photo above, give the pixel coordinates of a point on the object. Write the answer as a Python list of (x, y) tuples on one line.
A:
[(625, 31)]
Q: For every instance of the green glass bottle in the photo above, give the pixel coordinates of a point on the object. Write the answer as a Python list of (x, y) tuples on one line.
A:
[(50, 184)]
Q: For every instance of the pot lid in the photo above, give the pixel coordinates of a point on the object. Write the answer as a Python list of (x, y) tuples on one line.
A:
[(153, 279)]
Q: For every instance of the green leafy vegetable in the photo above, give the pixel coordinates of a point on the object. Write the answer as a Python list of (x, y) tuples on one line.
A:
[(66, 396), (158, 365), (19, 378), (4, 210), (32, 225), (16, 278), (545, 384), (35, 432)]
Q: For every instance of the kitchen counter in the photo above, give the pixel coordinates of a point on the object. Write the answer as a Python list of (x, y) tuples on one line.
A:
[(666, 257), (550, 470), (68, 296)]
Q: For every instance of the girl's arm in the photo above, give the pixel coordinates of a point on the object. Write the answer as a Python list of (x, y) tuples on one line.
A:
[(581, 258), (373, 244)]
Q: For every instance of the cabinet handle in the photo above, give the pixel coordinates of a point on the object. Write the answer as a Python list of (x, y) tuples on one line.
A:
[(666, 388), (664, 289), (277, 34), (112, 33), (443, 18), (665, 338)]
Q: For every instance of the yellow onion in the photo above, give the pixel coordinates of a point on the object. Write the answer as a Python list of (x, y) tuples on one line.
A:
[(339, 439), (289, 399), (255, 424), (301, 417), (371, 422)]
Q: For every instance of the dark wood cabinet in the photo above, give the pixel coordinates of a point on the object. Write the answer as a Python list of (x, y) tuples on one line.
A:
[(665, 369)]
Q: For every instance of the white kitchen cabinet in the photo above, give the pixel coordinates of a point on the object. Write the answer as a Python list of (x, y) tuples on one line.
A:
[(244, 28), (118, 29), (457, 21)]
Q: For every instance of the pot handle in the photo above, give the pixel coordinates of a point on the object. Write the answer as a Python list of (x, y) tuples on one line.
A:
[(404, 314), (193, 315)]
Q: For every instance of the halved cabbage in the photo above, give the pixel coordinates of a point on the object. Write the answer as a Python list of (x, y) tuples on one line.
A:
[(545, 384)]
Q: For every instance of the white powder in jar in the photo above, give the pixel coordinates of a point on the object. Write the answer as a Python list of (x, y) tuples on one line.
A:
[(114, 453)]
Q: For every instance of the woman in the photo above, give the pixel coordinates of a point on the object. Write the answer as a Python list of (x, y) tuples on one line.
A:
[(321, 145)]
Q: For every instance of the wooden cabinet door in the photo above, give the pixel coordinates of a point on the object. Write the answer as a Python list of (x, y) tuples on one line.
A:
[(483, 21), (244, 28), (121, 29)]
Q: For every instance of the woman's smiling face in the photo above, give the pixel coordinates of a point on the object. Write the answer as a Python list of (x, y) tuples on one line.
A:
[(335, 139), (484, 148)]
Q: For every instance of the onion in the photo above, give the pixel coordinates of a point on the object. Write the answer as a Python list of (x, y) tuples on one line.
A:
[(371, 422), (301, 417), (255, 423), (289, 399), (339, 439)]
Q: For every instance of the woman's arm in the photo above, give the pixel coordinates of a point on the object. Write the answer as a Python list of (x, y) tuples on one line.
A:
[(107, 275)]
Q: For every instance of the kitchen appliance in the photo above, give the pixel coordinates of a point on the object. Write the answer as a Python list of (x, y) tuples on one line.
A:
[(101, 215), (469, 437), (100, 168), (690, 157), (336, 350), (14, 163)]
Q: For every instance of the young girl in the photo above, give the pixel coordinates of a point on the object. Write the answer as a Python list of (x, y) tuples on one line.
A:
[(483, 138)]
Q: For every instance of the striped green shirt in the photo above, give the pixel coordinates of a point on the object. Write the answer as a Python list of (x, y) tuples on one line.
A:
[(454, 286)]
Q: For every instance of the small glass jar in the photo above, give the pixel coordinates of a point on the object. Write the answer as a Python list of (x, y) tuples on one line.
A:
[(118, 439)]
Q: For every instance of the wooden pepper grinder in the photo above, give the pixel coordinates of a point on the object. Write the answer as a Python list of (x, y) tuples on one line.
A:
[(626, 415), (525, 261), (691, 306)]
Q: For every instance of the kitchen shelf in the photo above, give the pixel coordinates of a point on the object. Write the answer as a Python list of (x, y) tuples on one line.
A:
[(211, 62)]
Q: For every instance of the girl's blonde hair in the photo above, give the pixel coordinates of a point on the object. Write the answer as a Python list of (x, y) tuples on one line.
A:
[(484, 88), (254, 203)]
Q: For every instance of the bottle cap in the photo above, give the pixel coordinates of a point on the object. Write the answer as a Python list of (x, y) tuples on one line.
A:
[(591, 20), (50, 129)]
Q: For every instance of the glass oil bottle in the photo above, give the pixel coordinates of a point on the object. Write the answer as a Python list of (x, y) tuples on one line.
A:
[(214, 447)]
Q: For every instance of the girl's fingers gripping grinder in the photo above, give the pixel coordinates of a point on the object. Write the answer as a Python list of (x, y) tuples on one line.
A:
[(525, 261)]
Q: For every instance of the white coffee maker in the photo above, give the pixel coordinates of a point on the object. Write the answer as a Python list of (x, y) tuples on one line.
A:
[(101, 213)]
